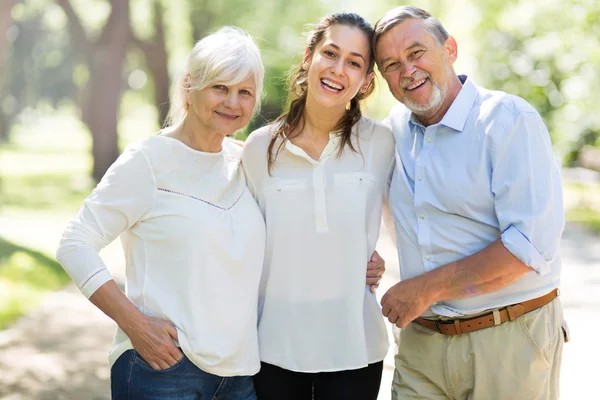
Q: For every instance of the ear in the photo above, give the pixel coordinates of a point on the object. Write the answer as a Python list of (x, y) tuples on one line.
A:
[(451, 49), (367, 82), (306, 59), (186, 89)]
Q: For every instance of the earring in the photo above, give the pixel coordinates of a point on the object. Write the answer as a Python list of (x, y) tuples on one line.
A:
[(305, 65), (348, 105)]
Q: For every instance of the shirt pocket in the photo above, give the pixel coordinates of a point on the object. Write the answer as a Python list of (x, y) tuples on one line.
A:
[(284, 185), (358, 180)]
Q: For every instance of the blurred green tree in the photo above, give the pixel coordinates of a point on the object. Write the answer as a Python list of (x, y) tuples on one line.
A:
[(548, 53)]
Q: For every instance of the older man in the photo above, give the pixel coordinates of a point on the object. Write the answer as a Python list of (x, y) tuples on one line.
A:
[(477, 203)]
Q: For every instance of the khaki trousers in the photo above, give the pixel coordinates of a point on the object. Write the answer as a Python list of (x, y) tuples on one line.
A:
[(515, 360)]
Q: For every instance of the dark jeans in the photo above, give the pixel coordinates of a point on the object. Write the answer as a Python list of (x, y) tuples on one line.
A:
[(132, 378), (275, 383)]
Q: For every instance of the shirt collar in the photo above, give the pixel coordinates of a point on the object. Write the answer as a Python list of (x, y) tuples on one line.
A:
[(457, 114), (332, 146)]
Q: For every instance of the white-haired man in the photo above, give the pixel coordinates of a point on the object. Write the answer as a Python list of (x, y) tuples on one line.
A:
[(477, 203)]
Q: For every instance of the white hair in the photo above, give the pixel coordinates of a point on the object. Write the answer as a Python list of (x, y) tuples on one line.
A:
[(227, 56)]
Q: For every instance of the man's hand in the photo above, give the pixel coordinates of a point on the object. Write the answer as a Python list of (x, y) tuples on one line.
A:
[(375, 270), (153, 339), (404, 302)]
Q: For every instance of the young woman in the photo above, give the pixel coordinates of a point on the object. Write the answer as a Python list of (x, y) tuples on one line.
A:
[(193, 238), (319, 174)]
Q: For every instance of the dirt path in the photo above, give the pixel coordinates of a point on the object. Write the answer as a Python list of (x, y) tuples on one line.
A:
[(60, 350)]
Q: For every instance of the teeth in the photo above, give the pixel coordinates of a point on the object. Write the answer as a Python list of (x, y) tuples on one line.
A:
[(416, 84), (333, 85)]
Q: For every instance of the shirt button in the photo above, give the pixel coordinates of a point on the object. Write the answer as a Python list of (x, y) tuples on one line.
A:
[(422, 216), (429, 139), (427, 258), (420, 178)]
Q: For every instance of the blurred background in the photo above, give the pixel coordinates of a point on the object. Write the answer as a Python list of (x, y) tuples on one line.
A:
[(80, 79)]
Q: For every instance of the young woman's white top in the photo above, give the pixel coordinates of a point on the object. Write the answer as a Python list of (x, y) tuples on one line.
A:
[(194, 242), (323, 219)]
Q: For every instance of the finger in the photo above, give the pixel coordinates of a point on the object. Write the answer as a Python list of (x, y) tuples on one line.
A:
[(393, 317), (373, 272), (172, 331), (373, 281), (374, 287), (153, 365), (176, 353), (163, 364), (386, 311), (375, 256), (402, 323)]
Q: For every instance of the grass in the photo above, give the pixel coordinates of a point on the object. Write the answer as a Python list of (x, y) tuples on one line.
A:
[(587, 216), (582, 203), (25, 276)]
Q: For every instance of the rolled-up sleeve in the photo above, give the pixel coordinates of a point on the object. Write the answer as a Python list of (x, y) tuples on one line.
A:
[(527, 191), (123, 196)]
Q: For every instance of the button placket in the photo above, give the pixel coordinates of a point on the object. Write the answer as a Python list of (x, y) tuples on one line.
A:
[(320, 197), (423, 229)]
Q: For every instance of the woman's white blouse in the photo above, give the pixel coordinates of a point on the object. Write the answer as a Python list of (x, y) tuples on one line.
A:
[(193, 239), (323, 218)]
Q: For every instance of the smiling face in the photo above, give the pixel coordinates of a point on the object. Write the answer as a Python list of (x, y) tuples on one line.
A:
[(223, 109), (418, 70), (337, 69)]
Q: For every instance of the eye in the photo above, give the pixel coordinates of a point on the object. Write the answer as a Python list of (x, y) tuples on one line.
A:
[(329, 53), (355, 64), (393, 66), (417, 53), (246, 92), (220, 87)]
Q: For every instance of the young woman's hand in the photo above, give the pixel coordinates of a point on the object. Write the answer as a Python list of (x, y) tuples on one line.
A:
[(375, 270)]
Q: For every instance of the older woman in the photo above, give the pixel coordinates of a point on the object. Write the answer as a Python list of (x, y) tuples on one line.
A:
[(320, 176), (193, 239)]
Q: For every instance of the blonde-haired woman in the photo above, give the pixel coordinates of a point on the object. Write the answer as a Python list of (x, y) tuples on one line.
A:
[(193, 239)]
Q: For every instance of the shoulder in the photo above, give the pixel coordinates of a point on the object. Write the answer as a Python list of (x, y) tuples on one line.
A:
[(377, 131), (258, 141), (232, 149), (503, 107)]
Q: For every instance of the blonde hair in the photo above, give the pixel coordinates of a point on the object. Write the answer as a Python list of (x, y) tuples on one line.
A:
[(227, 56)]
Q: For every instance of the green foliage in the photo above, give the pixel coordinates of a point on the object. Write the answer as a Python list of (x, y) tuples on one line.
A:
[(25, 276), (548, 53)]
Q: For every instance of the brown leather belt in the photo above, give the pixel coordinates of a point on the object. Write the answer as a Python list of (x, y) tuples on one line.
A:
[(508, 313)]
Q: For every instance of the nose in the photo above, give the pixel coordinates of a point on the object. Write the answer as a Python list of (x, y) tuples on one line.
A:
[(338, 67), (408, 69), (231, 100)]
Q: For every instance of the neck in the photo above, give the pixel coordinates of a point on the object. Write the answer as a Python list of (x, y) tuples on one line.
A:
[(195, 135), (436, 116), (320, 121)]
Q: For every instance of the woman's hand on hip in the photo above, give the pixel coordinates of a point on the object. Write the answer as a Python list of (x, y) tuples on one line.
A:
[(154, 339)]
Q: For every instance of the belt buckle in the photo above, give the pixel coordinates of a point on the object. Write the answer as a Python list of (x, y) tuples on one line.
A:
[(437, 325)]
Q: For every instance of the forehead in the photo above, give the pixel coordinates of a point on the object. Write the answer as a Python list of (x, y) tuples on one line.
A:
[(403, 36), (247, 82), (347, 38)]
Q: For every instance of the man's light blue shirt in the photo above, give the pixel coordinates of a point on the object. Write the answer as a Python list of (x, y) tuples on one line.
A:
[(485, 171)]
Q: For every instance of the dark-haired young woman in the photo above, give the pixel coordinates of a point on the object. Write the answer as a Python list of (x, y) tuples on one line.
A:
[(319, 174)]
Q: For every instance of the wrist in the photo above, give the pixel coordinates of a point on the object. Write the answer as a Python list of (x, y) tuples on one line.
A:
[(131, 321)]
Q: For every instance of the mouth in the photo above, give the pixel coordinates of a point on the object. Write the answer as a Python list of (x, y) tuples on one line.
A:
[(415, 85), (229, 117), (331, 86)]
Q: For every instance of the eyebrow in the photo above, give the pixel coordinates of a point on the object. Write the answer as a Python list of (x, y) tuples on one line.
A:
[(353, 52)]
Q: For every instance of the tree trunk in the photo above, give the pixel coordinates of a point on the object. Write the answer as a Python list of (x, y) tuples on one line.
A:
[(155, 52), (5, 45), (100, 111)]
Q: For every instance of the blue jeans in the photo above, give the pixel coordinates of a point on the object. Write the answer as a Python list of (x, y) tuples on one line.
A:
[(132, 378)]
